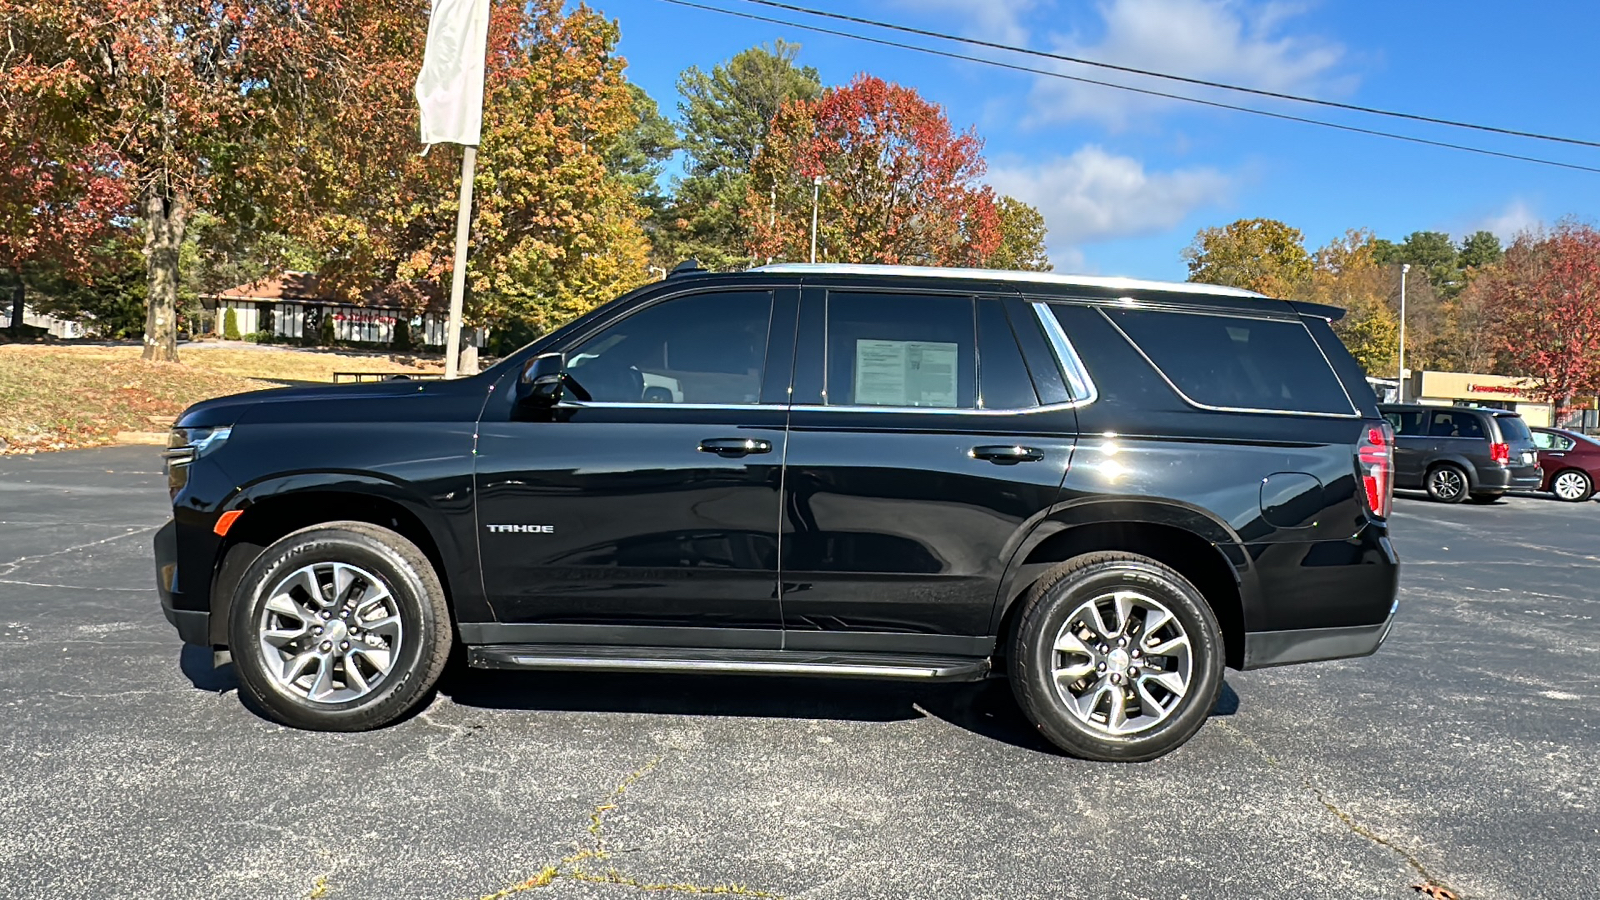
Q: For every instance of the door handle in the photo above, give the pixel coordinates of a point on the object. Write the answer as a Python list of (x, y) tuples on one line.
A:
[(730, 447), (1005, 454)]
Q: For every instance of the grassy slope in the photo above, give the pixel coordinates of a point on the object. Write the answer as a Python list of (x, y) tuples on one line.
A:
[(53, 397)]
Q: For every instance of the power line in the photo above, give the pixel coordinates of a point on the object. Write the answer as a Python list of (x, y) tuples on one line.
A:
[(1145, 91), (1170, 77)]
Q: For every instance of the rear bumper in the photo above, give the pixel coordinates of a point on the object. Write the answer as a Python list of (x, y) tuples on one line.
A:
[(1282, 648), (1519, 478), (194, 626)]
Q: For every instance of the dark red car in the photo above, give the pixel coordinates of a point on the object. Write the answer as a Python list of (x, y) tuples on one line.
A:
[(1571, 463)]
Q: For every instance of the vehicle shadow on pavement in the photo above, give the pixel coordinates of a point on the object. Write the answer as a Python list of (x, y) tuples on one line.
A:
[(195, 661), (985, 708)]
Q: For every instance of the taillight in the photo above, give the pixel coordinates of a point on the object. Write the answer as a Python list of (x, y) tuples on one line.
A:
[(1500, 453), (1375, 458)]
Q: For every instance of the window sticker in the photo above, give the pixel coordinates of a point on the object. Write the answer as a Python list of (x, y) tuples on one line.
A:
[(906, 373)]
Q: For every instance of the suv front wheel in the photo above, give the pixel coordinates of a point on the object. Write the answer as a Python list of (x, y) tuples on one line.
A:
[(339, 627), (1116, 657)]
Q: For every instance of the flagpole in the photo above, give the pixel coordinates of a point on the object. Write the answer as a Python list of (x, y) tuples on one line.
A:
[(458, 276)]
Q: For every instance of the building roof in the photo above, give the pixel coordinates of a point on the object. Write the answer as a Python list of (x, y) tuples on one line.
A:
[(1091, 281), (288, 286)]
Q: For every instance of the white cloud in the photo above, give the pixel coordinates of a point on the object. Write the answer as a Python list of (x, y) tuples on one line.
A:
[(993, 20), (1216, 40), (1093, 195), (1516, 217)]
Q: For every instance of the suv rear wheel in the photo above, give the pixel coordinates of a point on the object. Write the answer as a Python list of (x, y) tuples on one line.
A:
[(1116, 657), (1447, 483), (339, 627)]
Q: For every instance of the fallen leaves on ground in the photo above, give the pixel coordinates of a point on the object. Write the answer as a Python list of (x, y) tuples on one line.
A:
[(1435, 891)]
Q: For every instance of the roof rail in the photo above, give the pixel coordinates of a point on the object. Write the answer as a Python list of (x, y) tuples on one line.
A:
[(1094, 281)]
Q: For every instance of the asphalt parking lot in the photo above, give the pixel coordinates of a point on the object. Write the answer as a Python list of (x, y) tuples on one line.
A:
[(1467, 752)]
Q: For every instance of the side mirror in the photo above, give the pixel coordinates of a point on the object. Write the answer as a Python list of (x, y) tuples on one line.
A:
[(543, 380)]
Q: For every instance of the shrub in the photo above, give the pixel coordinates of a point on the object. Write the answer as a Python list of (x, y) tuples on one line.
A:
[(230, 325), (402, 334), (325, 338)]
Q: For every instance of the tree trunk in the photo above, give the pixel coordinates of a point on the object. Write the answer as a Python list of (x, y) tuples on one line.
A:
[(17, 294), (164, 221)]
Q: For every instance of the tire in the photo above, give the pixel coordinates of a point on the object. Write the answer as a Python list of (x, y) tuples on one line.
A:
[(1572, 485), (1447, 483), (287, 641), (1485, 498), (1077, 716)]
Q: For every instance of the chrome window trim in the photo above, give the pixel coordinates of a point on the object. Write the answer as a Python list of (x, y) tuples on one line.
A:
[(624, 404), (939, 410), (930, 272), (1079, 385), (1353, 414)]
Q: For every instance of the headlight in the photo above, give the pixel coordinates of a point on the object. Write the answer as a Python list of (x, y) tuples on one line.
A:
[(184, 446)]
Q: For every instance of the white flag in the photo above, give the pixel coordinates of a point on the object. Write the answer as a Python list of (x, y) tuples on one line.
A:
[(450, 85)]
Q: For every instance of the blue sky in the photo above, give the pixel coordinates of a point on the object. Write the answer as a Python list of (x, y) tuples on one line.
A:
[(1125, 181)]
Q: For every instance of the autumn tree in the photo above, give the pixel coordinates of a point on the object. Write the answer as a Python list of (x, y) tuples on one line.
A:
[(555, 230), (898, 183), (1545, 300), (60, 197), (1022, 235), (186, 95), (725, 115), (1262, 255), (1346, 274)]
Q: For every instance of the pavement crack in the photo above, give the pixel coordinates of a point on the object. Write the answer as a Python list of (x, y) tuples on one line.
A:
[(8, 568), (594, 848), (1349, 821)]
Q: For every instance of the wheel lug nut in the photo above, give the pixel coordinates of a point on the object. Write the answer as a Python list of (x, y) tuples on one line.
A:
[(1101, 667), (326, 646), (1116, 679), (1104, 649), (1122, 642), (317, 630), (325, 615), (1135, 654), (1133, 671), (344, 645)]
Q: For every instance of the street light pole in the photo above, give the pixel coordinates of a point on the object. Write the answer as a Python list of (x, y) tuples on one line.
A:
[(816, 190), (1404, 268)]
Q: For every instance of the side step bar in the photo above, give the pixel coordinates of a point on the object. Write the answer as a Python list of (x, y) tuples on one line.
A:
[(759, 662)]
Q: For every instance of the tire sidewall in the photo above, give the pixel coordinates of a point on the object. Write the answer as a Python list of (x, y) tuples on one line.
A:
[(399, 689), (1057, 723)]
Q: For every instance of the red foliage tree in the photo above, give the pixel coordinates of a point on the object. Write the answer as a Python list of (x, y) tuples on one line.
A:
[(55, 209), (202, 102), (899, 184), (1545, 301)]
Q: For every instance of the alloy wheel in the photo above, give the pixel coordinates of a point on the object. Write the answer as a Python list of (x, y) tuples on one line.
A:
[(1447, 483), (329, 632), (1122, 663), (1571, 486)]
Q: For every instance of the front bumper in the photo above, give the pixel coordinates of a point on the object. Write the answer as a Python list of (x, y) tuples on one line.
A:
[(194, 626)]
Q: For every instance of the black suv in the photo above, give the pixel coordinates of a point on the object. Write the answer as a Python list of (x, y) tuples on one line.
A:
[(1460, 453), (1106, 490)]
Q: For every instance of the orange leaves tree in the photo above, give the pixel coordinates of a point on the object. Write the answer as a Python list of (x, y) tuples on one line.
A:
[(899, 184), (189, 96), (555, 231), (1545, 300)]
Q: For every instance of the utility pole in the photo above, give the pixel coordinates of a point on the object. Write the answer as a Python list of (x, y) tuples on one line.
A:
[(816, 191), (1404, 268)]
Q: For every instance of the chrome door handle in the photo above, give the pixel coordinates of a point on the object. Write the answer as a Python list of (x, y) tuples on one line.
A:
[(730, 447), (1004, 454)]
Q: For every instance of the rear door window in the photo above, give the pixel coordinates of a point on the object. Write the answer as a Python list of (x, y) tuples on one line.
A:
[(1267, 365), (901, 350), (1455, 425), (1408, 423), (1003, 379)]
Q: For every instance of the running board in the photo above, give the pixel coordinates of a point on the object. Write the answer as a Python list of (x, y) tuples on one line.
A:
[(757, 662)]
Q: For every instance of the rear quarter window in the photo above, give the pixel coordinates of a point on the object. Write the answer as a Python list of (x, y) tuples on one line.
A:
[(1513, 428), (1271, 365)]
